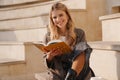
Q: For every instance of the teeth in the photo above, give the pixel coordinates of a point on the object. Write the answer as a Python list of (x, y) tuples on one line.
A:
[(60, 22)]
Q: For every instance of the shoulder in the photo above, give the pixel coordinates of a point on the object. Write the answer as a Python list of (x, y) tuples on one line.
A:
[(47, 37), (80, 34), (79, 31), (48, 34)]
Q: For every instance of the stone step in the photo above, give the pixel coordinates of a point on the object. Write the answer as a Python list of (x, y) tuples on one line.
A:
[(32, 16), (37, 9), (111, 27), (31, 57), (29, 11), (26, 23), (19, 77), (41, 76), (12, 52), (105, 59), (25, 35), (14, 2), (106, 45)]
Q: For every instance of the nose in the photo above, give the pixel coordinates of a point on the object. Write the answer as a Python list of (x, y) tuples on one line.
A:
[(58, 19)]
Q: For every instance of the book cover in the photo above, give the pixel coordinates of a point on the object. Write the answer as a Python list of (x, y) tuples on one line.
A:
[(53, 44)]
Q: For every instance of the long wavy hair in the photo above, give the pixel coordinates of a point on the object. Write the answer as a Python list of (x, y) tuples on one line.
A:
[(55, 34)]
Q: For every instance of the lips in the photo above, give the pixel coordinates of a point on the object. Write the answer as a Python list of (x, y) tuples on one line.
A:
[(60, 23)]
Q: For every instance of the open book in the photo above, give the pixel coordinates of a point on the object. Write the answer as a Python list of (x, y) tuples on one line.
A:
[(53, 44)]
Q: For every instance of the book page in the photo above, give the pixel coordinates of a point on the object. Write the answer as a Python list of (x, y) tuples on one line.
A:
[(53, 41)]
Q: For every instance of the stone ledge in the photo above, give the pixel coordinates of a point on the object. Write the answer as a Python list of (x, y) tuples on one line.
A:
[(111, 16), (105, 45), (5, 3), (23, 24), (29, 76), (12, 52), (10, 61), (41, 76), (10, 43), (37, 9), (69, 3), (23, 35), (24, 5)]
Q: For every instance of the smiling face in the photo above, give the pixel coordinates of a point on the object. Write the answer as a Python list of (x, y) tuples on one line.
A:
[(59, 19), (60, 22)]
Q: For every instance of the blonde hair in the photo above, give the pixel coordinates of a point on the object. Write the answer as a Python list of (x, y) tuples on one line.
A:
[(71, 37)]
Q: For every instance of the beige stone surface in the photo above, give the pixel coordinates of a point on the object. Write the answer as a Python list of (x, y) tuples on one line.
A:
[(37, 9), (19, 77), (105, 63), (11, 2), (34, 63), (26, 35), (111, 4), (88, 19), (111, 27), (26, 23), (11, 52), (23, 12), (105, 59), (105, 45), (85, 15)]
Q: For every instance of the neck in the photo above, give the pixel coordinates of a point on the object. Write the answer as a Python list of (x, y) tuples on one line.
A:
[(63, 31)]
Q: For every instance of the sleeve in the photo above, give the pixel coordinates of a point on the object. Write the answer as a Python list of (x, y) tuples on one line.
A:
[(81, 45), (47, 38), (48, 64)]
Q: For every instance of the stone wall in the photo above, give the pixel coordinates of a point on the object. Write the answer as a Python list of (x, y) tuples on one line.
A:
[(25, 70), (14, 2), (85, 16), (110, 4)]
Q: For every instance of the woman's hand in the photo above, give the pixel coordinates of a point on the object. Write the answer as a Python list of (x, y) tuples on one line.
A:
[(54, 52)]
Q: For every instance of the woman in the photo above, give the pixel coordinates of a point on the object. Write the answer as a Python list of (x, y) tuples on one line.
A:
[(73, 66)]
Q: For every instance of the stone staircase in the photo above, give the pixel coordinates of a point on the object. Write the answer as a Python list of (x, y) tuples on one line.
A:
[(111, 27), (22, 22), (19, 77), (105, 58), (20, 61), (8, 50)]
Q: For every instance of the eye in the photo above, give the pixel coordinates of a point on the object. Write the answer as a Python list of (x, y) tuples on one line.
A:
[(54, 17), (60, 15)]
